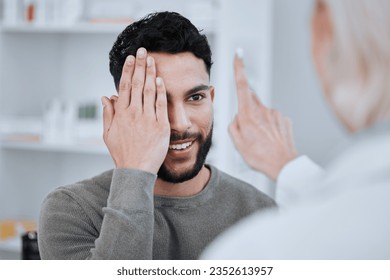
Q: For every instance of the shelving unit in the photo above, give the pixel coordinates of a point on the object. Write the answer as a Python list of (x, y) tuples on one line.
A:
[(94, 148), (41, 63), (91, 28), (71, 29)]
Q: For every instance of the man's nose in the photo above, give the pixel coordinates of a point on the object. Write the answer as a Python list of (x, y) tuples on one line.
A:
[(178, 118)]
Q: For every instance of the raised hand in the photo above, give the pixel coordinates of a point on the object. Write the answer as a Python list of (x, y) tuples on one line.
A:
[(136, 125), (262, 136)]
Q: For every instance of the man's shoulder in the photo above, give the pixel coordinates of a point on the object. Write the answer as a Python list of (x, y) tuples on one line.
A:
[(93, 191), (228, 181), (240, 190)]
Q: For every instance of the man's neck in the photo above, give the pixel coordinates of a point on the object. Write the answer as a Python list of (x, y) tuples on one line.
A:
[(187, 188)]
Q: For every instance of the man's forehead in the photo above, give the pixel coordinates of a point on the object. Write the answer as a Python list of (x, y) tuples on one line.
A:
[(185, 61)]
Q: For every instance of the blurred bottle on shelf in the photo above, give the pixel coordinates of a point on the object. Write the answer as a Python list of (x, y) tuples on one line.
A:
[(29, 10), (43, 12)]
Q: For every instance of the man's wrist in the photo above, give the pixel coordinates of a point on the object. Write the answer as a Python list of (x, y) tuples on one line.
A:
[(131, 188), (140, 167)]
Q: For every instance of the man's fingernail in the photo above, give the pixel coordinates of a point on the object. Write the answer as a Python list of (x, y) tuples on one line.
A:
[(130, 60), (141, 53), (158, 81), (149, 61), (240, 52)]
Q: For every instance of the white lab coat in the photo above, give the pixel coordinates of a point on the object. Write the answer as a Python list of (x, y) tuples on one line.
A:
[(340, 213)]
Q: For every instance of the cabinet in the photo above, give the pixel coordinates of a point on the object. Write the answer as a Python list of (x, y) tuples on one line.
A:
[(41, 63)]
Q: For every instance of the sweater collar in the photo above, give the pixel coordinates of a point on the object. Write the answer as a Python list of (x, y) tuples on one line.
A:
[(191, 201)]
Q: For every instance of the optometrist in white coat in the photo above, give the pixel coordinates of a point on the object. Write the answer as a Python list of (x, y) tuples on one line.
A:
[(343, 211)]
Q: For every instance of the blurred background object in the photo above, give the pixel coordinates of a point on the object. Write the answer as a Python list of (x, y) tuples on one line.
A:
[(54, 69), (11, 242), (30, 250)]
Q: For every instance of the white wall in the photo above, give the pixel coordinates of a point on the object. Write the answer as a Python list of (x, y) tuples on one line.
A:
[(246, 24)]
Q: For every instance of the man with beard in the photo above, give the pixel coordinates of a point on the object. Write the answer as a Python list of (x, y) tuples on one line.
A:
[(161, 201)]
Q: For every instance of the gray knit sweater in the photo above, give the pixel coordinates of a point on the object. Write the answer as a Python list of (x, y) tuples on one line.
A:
[(116, 216)]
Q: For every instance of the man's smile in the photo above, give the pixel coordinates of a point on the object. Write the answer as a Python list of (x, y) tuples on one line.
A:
[(181, 146)]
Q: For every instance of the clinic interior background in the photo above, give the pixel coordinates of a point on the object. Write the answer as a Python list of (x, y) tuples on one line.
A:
[(54, 69)]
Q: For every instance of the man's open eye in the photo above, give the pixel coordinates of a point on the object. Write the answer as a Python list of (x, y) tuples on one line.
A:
[(196, 97)]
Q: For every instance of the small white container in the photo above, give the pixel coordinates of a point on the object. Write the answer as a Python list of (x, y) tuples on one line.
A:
[(71, 11), (41, 12), (51, 123), (68, 120)]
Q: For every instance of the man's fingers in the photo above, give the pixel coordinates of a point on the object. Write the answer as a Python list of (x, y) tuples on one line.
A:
[(150, 87), (161, 101), (242, 85), (108, 115), (125, 82), (138, 81), (114, 101)]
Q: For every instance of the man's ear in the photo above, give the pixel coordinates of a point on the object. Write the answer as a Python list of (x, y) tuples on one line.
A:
[(212, 93)]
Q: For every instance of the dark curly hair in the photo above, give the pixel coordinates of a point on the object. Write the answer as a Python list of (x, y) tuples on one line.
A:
[(167, 32)]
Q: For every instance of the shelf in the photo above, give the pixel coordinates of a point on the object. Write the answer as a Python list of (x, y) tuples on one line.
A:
[(94, 147), (90, 28), (76, 28), (24, 133)]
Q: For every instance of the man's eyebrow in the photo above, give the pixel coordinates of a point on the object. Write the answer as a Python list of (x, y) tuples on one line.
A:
[(197, 88), (194, 90)]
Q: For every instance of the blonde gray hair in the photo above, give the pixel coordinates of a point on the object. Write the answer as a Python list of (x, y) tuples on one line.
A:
[(358, 61)]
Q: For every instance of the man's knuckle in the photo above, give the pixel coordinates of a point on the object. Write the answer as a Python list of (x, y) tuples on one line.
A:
[(149, 91), (159, 104), (133, 113), (140, 62), (137, 83), (125, 85)]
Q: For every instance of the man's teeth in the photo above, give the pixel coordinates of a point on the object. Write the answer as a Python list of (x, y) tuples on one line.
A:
[(180, 146)]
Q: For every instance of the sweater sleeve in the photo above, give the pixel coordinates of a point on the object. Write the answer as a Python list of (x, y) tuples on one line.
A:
[(297, 179), (66, 232)]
